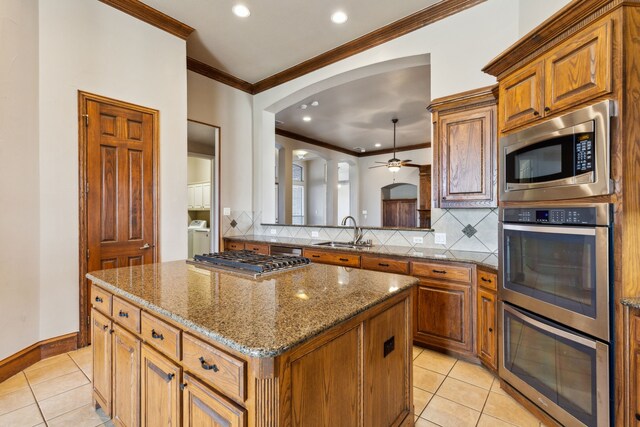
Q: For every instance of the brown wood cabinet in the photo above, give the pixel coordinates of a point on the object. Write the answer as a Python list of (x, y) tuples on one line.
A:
[(633, 330), (387, 265), (126, 378), (259, 248), (233, 245), (160, 394), (569, 75), (399, 213), (464, 164), (332, 257), (487, 332), (101, 344), (203, 407)]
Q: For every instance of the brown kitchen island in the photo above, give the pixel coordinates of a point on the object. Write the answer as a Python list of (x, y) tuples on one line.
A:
[(175, 344)]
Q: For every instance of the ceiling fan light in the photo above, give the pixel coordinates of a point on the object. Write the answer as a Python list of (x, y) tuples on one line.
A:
[(393, 168)]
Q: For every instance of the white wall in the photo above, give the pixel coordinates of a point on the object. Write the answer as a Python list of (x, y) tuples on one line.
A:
[(19, 183), (220, 105), (89, 46), (372, 181), (198, 170), (533, 12), (316, 191)]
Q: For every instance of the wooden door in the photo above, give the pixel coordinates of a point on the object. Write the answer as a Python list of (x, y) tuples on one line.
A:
[(388, 364), (118, 189), (202, 407), (467, 158), (160, 390), (126, 378), (487, 345), (521, 97), (101, 339), (399, 213)]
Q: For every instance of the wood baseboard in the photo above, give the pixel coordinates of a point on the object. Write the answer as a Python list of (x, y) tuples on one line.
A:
[(36, 352)]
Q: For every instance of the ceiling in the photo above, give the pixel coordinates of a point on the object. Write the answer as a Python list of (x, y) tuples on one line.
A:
[(279, 33), (359, 113), (200, 133)]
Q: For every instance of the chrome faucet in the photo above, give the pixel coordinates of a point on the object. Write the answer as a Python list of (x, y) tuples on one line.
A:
[(357, 231)]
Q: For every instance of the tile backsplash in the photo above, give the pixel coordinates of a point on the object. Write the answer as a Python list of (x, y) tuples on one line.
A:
[(474, 230)]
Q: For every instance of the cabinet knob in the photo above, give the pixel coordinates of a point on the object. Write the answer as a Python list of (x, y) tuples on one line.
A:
[(536, 113), (183, 386), (547, 109), (170, 376), (484, 279), (490, 329), (638, 417), (105, 327), (98, 299)]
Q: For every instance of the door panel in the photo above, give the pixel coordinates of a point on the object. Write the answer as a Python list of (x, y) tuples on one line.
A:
[(126, 380), (159, 390)]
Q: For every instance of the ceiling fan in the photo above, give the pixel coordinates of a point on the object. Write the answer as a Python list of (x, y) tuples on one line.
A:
[(394, 164)]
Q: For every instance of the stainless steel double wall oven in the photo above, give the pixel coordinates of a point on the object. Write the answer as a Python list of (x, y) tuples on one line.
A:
[(555, 266)]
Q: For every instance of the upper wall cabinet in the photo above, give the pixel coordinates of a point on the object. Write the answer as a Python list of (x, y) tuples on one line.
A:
[(464, 168), (570, 74)]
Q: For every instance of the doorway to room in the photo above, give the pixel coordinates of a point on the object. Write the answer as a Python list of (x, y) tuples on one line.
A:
[(118, 190), (399, 205)]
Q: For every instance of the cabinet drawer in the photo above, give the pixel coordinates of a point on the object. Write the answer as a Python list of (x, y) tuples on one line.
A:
[(101, 300), (346, 260), (161, 335), (126, 314), (447, 272), (260, 248), (234, 246), (487, 280), (221, 370), (385, 264)]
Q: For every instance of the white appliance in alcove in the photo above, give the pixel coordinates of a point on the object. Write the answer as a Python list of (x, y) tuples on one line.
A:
[(199, 238)]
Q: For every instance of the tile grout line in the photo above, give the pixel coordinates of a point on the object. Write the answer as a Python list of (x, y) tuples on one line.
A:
[(36, 399)]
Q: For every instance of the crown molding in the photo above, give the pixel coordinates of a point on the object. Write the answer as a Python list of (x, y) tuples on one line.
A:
[(302, 138), (377, 37), (218, 75), (152, 16)]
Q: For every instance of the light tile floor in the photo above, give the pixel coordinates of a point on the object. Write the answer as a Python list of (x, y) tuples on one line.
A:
[(446, 392)]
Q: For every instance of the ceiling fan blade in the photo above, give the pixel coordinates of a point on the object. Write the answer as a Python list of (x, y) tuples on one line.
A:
[(381, 166), (406, 161), (411, 165), (382, 163)]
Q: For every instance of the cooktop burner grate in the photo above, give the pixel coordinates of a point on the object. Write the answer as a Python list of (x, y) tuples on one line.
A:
[(248, 262)]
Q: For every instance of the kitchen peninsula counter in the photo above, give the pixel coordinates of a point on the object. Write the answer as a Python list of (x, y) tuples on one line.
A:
[(173, 341)]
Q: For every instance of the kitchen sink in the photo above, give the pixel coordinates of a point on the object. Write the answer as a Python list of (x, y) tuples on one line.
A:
[(348, 245)]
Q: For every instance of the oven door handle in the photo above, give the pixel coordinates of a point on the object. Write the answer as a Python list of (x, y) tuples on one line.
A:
[(582, 231), (555, 331)]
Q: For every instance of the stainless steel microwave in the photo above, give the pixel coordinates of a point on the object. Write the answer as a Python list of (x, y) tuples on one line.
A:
[(562, 158)]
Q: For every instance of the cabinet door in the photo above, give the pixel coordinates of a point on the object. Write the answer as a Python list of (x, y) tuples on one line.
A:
[(634, 365), (387, 367), (443, 316), (206, 196), (101, 343), (486, 333), (204, 407), (126, 378), (521, 97), (467, 158), (197, 198), (579, 69), (191, 197), (160, 390)]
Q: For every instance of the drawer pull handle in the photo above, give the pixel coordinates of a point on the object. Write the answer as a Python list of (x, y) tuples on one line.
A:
[(123, 314), (344, 259), (484, 279), (440, 271), (315, 256), (156, 335), (490, 329), (638, 417), (382, 264), (98, 299), (208, 367)]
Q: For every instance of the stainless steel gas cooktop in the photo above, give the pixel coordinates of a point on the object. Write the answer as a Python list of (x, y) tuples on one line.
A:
[(249, 263)]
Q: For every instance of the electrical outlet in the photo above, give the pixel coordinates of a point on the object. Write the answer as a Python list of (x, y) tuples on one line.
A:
[(226, 211), (440, 238), (418, 240), (273, 231), (315, 234)]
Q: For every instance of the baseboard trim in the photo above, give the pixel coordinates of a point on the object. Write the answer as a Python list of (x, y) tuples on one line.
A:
[(36, 352)]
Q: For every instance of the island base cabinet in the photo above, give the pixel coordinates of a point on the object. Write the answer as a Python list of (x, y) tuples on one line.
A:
[(388, 367), (101, 344), (126, 381), (160, 384), (203, 407)]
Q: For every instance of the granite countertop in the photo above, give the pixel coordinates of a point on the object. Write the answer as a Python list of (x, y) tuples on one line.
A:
[(258, 317), (483, 259), (631, 302)]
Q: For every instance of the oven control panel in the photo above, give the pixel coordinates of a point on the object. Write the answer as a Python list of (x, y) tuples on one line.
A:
[(556, 216)]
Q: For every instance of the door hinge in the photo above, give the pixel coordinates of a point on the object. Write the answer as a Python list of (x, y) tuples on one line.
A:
[(86, 187), (88, 320), (86, 119), (87, 253)]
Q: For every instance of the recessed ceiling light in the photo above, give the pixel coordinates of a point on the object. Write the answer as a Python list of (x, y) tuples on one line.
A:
[(315, 103), (241, 10), (303, 107), (378, 145), (339, 17), (306, 118)]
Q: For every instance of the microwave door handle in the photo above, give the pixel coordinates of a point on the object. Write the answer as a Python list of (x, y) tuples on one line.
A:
[(582, 231), (548, 328)]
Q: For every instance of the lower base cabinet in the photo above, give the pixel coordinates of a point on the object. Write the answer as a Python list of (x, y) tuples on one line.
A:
[(487, 331), (633, 317), (126, 378), (101, 344), (160, 390), (203, 407)]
